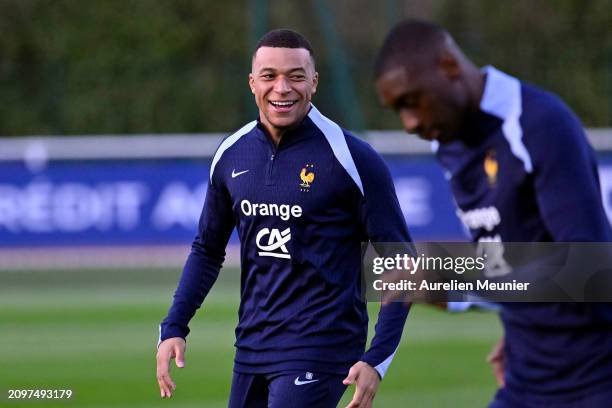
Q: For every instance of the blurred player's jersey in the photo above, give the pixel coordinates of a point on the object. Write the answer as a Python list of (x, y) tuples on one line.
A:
[(524, 172), (301, 210)]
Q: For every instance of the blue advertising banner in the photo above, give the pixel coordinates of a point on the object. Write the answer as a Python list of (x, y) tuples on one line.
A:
[(158, 202), (101, 203)]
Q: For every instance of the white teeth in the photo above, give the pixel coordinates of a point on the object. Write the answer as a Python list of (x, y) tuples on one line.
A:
[(289, 103)]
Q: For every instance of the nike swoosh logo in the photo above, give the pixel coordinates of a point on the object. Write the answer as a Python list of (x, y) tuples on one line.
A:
[(298, 382), (236, 174)]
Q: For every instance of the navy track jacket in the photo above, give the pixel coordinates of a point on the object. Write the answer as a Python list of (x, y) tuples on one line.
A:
[(302, 210), (523, 171)]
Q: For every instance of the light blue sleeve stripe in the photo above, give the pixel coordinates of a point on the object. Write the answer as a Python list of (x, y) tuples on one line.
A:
[(459, 307), (435, 145), (514, 134), (502, 98), (384, 366), (336, 139), (227, 143)]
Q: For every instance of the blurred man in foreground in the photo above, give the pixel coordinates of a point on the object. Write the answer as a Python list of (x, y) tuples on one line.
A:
[(521, 170), (303, 194)]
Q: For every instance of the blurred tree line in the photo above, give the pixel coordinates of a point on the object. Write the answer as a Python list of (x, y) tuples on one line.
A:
[(147, 66)]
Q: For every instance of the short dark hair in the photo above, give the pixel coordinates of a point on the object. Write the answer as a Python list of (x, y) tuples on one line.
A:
[(284, 38), (411, 41)]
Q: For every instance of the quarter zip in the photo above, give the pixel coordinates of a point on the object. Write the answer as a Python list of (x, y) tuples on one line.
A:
[(274, 151), (270, 172)]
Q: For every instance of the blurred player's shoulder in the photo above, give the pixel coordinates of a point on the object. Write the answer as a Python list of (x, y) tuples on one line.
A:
[(543, 110), (549, 124)]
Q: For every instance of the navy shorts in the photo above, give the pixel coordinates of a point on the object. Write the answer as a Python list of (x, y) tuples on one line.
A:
[(293, 389)]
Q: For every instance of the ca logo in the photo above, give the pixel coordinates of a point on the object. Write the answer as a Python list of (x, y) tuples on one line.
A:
[(276, 242), (492, 248)]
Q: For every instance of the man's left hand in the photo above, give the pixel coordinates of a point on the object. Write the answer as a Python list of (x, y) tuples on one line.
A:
[(366, 382)]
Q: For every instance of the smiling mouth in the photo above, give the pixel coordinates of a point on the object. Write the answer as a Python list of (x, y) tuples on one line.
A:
[(282, 104)]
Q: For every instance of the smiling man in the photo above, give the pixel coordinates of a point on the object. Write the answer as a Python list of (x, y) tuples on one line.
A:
[(303, 194), (521, 170), (282, 103)]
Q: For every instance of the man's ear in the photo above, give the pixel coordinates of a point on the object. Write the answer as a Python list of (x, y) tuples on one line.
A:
[(315, 82), (252, 83), (449, 65)]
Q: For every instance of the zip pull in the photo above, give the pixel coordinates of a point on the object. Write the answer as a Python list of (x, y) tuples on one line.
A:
[(272, 157)]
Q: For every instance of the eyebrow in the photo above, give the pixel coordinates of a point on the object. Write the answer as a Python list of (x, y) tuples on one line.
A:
[(292, 70)]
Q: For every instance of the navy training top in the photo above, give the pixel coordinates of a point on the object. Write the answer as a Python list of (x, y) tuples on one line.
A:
[(302, 211), (523, 171)]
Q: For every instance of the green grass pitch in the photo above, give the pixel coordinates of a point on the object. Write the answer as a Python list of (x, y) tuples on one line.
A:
[(94, 332)]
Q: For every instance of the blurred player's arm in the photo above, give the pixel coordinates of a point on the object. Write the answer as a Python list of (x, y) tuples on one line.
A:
[(566, 179), (199, 274), (567, 191)]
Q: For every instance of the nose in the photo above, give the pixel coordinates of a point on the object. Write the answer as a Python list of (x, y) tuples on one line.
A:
[(409, 119), (281, 85)]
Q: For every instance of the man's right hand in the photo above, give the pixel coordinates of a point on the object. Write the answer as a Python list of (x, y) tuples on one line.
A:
[(168, 349)]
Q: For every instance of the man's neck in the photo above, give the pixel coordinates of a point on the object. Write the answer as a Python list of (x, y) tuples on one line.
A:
[(275, 134), (476, 87)]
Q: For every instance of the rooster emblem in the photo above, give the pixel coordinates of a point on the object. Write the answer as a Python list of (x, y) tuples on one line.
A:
[(491, 167), (307, 176)]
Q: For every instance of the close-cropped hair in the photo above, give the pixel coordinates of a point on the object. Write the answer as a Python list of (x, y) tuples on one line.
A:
[(413, 41), (284, 38)]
